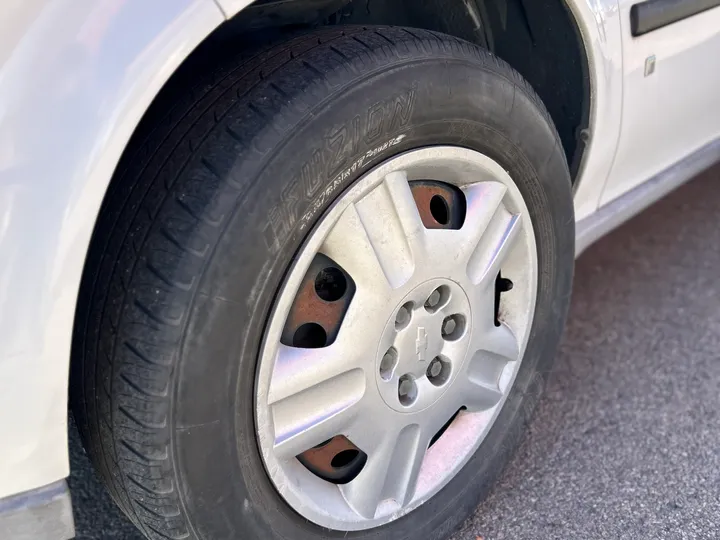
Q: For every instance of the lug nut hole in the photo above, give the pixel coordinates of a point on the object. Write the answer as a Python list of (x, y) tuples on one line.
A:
[(453, 327), (407, 390), (440, 210), (438, 371), (404, 314), (388, 364), (437, 299), (310, 336), (330, 284)]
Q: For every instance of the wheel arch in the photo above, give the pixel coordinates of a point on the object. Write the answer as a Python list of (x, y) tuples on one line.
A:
[(582, 90), (550, 42)]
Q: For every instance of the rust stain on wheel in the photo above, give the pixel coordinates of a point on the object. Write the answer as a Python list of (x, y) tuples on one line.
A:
[(322, 301), (441, 206), (338, 460)]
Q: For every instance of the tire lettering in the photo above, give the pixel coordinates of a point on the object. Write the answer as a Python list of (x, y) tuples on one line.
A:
[(311, 177), (375, 121), (331, 161), (402, 109), (336, 149)]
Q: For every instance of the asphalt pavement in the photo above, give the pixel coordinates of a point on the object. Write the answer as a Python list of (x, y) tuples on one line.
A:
[(626, 441)]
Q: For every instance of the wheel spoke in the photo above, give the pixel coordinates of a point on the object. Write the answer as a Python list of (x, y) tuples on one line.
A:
[(482, 200), (405, 207), (479, 390), (391, 471), (489, 230), (317, 414), (297, 370), (499, 341), (313, 393), (350, 246), (505, 229), (364, 493), (393, 228), (495, 348), (405, 467)]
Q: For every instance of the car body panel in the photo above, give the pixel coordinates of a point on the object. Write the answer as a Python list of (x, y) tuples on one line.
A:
[(672, 112), (599, 24), (232, 7), (71, 95)]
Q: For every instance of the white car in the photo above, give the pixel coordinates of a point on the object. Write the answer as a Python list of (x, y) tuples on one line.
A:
[(301, 267)]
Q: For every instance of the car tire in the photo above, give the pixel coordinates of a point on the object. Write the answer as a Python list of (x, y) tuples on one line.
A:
[(210, 206)]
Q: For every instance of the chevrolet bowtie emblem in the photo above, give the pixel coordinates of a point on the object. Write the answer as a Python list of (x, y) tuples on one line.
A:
[(421, 344)]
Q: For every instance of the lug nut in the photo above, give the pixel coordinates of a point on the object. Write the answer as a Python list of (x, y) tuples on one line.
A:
[(438, 372), (448, 326), (388, 363), (404, 314), (437, 299), (407, 390), (433, 300), (453, 327), (434, 368)]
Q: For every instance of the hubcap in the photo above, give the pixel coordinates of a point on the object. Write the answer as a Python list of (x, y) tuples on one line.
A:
[(396, 337)]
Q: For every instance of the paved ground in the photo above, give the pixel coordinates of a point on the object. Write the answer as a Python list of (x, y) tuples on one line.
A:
[(626, 442)]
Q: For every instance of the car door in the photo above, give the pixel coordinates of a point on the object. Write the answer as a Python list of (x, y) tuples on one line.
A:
[(671, 93)]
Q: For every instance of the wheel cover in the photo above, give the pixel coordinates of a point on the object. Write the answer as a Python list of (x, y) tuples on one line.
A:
[(414, 392)]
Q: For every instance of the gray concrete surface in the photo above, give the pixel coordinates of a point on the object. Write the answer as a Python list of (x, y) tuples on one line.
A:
[(626, 442)]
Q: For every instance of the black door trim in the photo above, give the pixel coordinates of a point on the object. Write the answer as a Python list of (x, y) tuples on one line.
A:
[(653, 14)]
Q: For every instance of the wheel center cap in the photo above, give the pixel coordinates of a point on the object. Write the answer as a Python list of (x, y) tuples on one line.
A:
[(423, 346)]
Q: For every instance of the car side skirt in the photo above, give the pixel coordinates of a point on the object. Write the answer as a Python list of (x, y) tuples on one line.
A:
[(617, 212), (41, 514)]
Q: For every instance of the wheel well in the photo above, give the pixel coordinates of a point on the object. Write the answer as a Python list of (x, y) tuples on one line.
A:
[(539, 38)]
